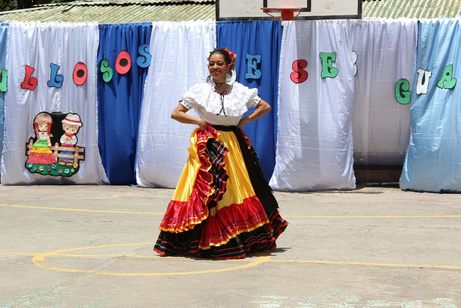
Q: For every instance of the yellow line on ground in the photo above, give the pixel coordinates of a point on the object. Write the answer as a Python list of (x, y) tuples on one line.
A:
[(372, 216), (32, 254), (70, 255), (325, 262), (39, 261), (153, 257), (39, 258), (373, 264), (77, 210)]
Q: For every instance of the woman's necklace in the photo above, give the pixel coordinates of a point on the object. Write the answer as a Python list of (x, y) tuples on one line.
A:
[(221, 88), (222, 92)]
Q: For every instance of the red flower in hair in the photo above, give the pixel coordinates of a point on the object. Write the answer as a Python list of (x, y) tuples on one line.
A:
[(231, 54)]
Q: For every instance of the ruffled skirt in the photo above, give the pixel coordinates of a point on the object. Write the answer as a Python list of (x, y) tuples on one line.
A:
[(222, 206)]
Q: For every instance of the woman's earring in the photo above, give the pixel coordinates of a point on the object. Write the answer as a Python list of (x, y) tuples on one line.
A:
[(209, 79), (231, 76)]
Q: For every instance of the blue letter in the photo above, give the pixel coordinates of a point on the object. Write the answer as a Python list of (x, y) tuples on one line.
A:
[(145, 58), (56, 80), (252, 67)]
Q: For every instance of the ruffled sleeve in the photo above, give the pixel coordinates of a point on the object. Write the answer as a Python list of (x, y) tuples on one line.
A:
[(191, 98), (246, 95), (254, 98)]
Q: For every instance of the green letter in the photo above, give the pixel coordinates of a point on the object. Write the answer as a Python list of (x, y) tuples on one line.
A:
[(402, 91), (106, 71), (3, 80), (447, 81), (327, 59)]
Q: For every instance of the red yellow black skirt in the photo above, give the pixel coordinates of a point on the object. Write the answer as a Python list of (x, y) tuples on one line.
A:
[(222, 206)]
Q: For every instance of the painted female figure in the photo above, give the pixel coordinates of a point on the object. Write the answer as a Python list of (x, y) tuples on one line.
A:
[(41, 152)]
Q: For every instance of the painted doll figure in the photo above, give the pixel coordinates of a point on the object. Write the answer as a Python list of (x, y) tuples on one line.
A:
[(71, 125), (41, 151)]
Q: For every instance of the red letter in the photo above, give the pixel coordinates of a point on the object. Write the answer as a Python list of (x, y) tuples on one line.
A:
[(29, 82), (299, 75), (123, 62), (80, 73)]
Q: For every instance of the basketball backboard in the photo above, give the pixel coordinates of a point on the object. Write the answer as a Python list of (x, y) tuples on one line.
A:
[(310, 9)]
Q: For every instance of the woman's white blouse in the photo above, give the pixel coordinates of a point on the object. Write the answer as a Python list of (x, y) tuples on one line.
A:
[(206, 102)]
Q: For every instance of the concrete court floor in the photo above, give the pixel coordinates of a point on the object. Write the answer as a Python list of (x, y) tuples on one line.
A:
[(90, 246)]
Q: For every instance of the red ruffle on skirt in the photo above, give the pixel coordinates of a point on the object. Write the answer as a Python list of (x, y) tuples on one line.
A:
[(182, 216), (231, 221)]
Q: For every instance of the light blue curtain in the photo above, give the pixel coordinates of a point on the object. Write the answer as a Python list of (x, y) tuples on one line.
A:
[(120, 100), (3, 43), (433, 160), (257, 38)]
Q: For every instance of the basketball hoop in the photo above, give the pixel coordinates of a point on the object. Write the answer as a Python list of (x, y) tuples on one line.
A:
[(283, 13)]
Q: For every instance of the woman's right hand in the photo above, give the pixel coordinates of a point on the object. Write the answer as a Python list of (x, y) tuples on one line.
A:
[(202, 124), (180, 114)]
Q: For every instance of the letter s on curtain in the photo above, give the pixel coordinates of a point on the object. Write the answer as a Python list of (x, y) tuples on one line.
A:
[(299, 75), (106, 70), (144, 59)]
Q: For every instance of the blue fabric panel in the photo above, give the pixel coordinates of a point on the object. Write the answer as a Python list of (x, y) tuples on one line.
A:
[(120, 100), (257, 38), (3, 43), (433, 160)]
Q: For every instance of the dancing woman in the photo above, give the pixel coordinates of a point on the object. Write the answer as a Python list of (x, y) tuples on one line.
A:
[(222, 207)]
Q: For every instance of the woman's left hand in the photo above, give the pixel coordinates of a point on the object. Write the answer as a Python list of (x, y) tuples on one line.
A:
[(261, 109), (243, 121)]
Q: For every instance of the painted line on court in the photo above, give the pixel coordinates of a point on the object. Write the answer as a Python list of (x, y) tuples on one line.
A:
[(39, 261), (373, 264), (322, 262), (372, 216), (63, 209), (34, 207)]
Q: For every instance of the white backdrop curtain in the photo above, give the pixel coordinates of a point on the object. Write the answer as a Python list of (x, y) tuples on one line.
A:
[(386, 52), (179, 60), (314, 141), (39, 45)]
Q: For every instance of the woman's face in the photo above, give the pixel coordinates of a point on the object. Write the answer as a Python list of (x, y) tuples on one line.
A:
[(218, 67)]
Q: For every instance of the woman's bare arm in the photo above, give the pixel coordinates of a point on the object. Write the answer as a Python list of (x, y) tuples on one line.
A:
[(180, 114), (261, 109)]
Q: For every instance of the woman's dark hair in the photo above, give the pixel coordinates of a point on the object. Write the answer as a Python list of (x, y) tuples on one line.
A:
[(222, 52)]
